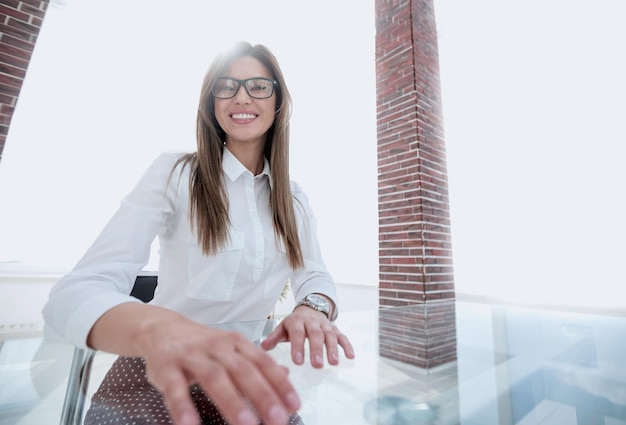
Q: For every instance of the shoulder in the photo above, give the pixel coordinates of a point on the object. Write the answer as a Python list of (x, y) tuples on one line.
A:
[(166, 164), (161, 170), (296, 188), (162, 177), (169, 159), (298, 193), (301, 200)]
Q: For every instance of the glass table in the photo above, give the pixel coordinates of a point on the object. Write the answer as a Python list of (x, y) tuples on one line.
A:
[(455, 362)]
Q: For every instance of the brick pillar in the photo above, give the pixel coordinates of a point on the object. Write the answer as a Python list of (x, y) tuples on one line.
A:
[(415, 252), (20, 22)]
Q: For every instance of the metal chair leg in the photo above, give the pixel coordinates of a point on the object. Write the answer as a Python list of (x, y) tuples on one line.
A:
[(77, 386)]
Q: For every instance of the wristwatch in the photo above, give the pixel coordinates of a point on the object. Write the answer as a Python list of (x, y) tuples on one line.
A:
[(317, 302)]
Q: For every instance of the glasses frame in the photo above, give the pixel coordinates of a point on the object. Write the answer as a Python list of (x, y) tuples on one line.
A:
[(242, 83)]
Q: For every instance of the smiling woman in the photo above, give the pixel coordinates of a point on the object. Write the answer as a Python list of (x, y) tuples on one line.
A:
[(112, 84), (232, 228)]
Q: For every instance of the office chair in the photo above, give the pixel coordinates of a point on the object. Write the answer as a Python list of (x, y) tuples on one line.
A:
[(80, 371)]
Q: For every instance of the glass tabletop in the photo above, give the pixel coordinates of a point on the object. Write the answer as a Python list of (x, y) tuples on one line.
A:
[(439, 363)]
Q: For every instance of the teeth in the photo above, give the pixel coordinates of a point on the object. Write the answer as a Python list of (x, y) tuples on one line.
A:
[(244, 116)]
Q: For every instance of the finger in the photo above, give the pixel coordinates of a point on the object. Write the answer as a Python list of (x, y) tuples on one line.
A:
[(273, 338), (297, 335), (345, 344), (214, 379), (278, 377), (330, 340), (264, 383), (175, 390), (316, 345)]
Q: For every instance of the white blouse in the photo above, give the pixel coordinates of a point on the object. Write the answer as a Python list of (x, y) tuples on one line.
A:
[(241, 282)]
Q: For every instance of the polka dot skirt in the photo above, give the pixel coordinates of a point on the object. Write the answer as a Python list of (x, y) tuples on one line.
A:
[(125, 397)]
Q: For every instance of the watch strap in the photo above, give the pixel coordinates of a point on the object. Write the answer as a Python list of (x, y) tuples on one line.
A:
[(331, 308)]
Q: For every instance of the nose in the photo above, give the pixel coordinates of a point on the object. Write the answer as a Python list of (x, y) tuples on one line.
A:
[(242, 95)]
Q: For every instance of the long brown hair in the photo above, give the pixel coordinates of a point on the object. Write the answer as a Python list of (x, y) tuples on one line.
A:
[(208, 212)]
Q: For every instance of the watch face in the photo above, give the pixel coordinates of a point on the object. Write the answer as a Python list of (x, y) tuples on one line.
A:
[(318, 299)]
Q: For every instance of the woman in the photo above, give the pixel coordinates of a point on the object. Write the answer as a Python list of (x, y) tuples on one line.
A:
[(232, 230)]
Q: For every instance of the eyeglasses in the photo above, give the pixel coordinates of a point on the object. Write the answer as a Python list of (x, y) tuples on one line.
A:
[(258, 88)]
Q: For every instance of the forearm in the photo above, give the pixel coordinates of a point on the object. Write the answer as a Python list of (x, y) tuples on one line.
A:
[(128, 329)]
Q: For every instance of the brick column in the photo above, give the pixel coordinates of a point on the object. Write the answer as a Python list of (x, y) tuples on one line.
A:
[(415, 252), (20, 22)]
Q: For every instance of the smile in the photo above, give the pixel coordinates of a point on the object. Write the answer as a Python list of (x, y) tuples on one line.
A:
[(243, 116)]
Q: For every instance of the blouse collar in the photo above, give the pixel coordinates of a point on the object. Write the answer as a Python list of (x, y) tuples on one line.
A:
[(234, 168)]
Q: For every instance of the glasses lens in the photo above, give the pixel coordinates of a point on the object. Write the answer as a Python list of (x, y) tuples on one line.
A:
[(225, 88), (260, 88)]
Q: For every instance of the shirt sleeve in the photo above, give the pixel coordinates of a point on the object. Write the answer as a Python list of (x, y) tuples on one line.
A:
[(104, 276), (313, 277)]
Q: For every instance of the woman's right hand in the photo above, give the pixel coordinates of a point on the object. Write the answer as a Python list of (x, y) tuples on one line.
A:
[(179, 353)]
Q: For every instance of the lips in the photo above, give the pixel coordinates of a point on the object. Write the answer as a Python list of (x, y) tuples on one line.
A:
[(243, 116)]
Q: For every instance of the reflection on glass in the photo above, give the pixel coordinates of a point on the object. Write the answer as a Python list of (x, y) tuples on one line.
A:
[(422, 335), (420, 343)]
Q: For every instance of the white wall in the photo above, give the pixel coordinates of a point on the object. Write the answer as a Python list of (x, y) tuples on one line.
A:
[(534, 105)]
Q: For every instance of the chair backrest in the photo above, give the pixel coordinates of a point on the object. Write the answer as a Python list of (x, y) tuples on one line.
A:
[(144, 287)]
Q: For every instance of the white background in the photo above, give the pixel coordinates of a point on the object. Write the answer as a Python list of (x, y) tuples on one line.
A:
[(534, 105)]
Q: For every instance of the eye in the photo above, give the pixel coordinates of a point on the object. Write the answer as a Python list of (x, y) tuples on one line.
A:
[(258, 86), (225, 87)]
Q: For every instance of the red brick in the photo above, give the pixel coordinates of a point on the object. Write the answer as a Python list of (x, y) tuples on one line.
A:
[(20, 22), (412, 171)]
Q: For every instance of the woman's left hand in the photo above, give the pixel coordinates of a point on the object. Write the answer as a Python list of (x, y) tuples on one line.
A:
[(304, 323)]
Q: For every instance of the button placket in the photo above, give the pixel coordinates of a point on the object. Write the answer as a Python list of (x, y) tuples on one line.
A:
[(259, 242)]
